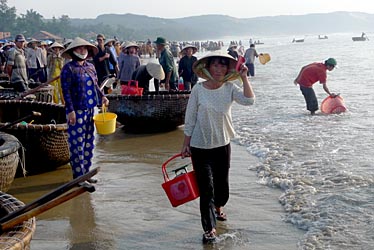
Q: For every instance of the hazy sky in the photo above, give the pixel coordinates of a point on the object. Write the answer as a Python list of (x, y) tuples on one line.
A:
[(177, 8)]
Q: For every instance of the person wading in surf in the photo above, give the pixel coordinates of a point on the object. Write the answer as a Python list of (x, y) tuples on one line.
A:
[(309, 75), (209, 129)]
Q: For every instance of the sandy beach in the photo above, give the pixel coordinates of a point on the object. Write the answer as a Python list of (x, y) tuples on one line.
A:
[(130, 210)]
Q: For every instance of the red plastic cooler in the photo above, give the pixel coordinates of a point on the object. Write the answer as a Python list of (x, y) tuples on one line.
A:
[(183, 188), (333, 105)]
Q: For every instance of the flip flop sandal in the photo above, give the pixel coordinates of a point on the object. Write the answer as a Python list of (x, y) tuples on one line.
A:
[(209, 237), (221, 216)]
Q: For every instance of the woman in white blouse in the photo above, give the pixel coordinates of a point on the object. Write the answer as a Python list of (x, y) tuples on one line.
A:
[(208, 130)]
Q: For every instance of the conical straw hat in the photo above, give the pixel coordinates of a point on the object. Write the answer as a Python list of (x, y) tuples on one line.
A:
[(67, 42), (131, 44), (200, 66), (56, 45), (264, 58), (77, 42), (155, 70), (109, 41), (124, 44), (194, 48), (29, 43)]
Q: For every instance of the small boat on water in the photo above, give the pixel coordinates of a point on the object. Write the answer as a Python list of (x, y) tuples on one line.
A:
[(44, 137), (361, 38), (150, 113), (19, 237), (322, 37), (301, 40)]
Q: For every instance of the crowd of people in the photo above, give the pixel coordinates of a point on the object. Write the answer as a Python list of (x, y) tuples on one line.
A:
[(84, 66), (36, 61), (44, 62)]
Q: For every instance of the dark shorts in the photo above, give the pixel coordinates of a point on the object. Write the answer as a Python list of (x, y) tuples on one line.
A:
[(251, 69), (310, 98)]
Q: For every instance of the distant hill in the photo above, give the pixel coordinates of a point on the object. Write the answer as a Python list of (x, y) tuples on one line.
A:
[(141, 27)]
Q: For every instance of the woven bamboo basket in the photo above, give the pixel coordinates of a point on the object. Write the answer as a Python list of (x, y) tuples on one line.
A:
[(9, 159), (8, 94), (150, 113), (19, 237), (4, 77), (44, 140), (44, 94)]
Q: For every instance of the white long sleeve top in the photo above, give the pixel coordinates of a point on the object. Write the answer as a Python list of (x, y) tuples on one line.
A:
[(32, 56), (208, 116)]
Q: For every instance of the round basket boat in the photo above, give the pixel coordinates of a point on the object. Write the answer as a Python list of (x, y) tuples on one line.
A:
[(44, 94), (44, 140), (8, 94), (19, 237), (150, 113), (9, 158)]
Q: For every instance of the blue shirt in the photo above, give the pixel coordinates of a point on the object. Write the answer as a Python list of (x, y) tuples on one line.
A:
[(74, 85)]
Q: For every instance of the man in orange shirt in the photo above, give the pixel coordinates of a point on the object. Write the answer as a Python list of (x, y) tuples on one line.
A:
[(309, 75)]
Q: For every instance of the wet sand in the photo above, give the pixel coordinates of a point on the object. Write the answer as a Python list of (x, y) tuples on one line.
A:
[(130, 210)]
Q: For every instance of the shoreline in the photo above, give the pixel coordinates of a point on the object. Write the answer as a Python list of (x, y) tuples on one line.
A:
[(130, 210)]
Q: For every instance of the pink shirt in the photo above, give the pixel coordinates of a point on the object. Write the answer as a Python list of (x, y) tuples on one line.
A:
[(313, 73)]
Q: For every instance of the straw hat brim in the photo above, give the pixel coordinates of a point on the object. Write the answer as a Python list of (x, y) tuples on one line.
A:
[(232, 46), (131, 45), (77, 42), (198, 66), (124, 44), (194, 48), (155, 70), (32, 41), (56, 45), (67, 42), (109, 41)]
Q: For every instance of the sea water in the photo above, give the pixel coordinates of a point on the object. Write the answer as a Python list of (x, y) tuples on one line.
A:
[(324, 163), (320, 167)]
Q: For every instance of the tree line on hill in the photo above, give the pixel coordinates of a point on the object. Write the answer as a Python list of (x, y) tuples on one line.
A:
[(140, 27)]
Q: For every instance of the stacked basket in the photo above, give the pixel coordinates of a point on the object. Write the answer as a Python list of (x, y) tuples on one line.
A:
[(9, 159), (19, 237), (44, 140)]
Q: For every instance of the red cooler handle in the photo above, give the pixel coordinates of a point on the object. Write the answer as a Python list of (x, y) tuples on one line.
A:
[(165, 174), (132, 83)]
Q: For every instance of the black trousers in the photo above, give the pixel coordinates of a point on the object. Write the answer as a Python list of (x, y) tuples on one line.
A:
[(212, 174), (310, 98)]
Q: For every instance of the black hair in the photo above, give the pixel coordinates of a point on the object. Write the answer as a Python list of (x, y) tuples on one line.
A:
[(220, 59)]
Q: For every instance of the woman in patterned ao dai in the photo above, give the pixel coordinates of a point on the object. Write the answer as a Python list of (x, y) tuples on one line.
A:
[(82, 94)]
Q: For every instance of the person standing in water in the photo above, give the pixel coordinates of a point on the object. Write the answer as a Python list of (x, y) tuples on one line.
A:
[(308, 76), (249, 56), (208, 130), (82, 94)]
